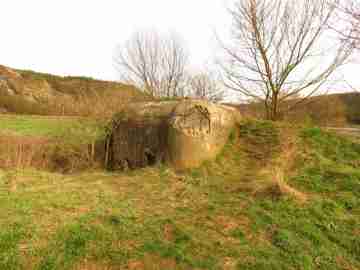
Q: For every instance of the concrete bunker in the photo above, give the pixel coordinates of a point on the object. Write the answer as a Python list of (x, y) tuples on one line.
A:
[(137, 144), (182, 134)]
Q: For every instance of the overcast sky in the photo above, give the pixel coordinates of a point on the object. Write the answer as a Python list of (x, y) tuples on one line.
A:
[(78, 37)]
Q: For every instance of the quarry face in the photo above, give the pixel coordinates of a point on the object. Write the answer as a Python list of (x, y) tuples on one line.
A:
[(182, 134)]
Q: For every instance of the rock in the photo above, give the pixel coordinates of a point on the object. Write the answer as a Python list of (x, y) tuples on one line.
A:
[(30, 89), (8, 73), (182, 134), (5, 88)]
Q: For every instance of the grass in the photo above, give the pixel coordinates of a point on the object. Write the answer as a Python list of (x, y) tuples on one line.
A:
[(206, 218), (61, 144), (50, 127), (36, 126)]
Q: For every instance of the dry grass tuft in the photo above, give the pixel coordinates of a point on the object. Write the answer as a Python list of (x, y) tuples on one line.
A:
[(286, 165), (94, 105), (277, 188), (22, 152), (280, 169)]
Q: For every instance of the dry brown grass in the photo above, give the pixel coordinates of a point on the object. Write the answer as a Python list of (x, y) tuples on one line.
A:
[(86, 265), (153, 262), (278, 187), (92, 105), (280, 169), (28, 92), (22, 152)]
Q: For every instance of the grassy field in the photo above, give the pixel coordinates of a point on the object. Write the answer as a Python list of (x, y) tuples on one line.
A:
[(66, 144), (48, 126), (228, 214)]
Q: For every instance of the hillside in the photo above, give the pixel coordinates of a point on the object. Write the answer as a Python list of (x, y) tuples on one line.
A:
[(278, 197), (331, 109), (352, 103), (28, 92)]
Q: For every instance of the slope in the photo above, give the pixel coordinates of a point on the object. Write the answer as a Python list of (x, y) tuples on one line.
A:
[(28, 92), (233, 213)]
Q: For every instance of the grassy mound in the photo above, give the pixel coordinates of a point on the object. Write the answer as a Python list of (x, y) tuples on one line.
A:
[(219, 216)]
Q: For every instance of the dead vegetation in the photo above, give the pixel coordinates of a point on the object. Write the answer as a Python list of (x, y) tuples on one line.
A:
[(284, 167), (271, 153), (23, 152)]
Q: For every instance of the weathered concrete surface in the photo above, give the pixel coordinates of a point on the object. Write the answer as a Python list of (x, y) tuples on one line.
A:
[(198, 131), (181, 133)]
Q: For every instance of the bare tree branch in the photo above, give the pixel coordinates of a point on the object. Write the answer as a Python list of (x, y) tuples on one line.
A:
[(154, 63), (346, 21), (278, 51), (206, 85)]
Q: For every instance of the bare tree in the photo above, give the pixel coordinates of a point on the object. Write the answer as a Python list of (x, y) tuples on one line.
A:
[(280, 51), (346, 22), (206, 85), (155, 63)]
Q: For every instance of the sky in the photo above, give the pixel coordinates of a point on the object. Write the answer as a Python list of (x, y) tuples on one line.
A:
[(68, 37)]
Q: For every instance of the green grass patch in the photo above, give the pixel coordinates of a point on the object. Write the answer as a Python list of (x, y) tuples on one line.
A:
[(10, 237), (331, 146), (68, 128)]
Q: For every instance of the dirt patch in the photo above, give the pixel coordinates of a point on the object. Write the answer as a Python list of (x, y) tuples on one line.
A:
[(153, 262), (168, 232), (87, 265), (227, 223)]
